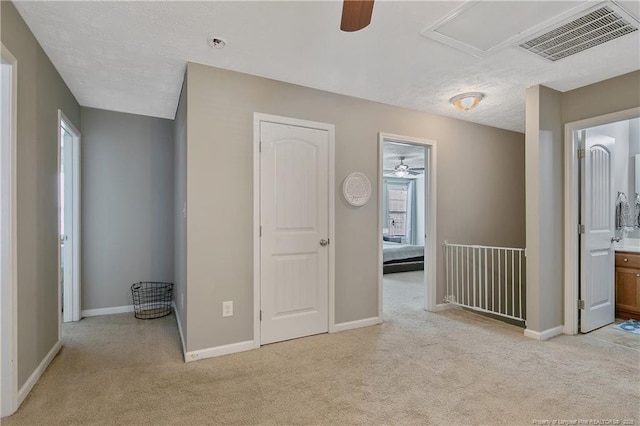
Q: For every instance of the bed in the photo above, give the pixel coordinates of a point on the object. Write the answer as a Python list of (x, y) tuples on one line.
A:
[(398, 257)]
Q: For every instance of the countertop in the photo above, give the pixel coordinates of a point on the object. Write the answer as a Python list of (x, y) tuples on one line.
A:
[(628, 244)]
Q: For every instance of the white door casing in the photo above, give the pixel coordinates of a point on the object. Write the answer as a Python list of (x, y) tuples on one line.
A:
[(596, 246), (430, 223), (8, 236), (296, 228), (572, 142)]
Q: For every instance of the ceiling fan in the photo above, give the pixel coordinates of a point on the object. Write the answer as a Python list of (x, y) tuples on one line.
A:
[(403, 170), (356, 14)]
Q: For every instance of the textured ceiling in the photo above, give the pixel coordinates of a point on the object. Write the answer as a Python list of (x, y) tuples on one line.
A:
[(413, 155), (131, 56)]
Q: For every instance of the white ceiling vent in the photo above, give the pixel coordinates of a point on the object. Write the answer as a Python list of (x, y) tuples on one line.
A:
[(592, 28), (482, 28)]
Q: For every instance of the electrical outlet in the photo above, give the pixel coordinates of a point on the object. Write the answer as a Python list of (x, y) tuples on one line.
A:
[(227, 309)]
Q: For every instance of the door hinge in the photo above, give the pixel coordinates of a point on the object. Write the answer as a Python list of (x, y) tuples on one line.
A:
[(261, 230), (260, 314), (328, 241), (260, 146), (580, 304), (581, 153), (580, 229)]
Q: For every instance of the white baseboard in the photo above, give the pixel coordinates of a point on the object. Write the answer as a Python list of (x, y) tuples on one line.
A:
[(544, 335), (184, 347), (37, 373), (355, 324), (442, 307), (219, 351), (107, 311)]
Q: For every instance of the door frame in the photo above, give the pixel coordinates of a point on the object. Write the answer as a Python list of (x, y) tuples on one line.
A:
[(330, 128), (572, 210), (9, 267), (431, 196), (72, 289)]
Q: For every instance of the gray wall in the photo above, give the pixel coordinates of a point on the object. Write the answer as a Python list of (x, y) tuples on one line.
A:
[(41, 92), (612, 95), (480, 191), (180, 220), (544, 196), (127, 204)]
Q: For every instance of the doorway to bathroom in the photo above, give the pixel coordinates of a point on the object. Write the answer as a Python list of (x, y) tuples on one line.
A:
[(600, 196), (406, 223)]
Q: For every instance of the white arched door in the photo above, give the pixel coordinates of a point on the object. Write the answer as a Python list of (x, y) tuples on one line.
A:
[(597, 289), (295, 230)]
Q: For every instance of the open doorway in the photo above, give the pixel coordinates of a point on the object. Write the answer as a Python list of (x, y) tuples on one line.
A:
[(8, 290), (406, 223), (69, 219), (600, 173)]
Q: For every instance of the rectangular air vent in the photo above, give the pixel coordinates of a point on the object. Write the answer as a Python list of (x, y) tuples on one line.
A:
[(589, 30)]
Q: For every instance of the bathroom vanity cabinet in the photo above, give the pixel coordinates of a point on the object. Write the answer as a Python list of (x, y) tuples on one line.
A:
[(627, 285)]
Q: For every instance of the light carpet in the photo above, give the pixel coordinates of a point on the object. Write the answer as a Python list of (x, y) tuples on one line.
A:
[(417, 368)]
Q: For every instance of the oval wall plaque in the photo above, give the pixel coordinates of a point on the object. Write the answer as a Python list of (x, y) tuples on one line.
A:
[(356, 189)]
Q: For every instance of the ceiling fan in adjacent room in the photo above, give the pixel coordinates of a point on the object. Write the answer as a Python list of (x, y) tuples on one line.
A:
[(403, 170), (356, 14)]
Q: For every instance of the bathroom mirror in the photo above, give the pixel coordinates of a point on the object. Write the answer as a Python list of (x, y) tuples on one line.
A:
[(626, 158), (637, 172)]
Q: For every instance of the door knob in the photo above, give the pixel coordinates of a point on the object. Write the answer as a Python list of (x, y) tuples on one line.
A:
[(323, 242), (615, 239)]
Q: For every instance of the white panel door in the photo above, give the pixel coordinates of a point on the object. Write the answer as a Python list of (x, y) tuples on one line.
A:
[(598, 216), (294, 209), (66, 222)]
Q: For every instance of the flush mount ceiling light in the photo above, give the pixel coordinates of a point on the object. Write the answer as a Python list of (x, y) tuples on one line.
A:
[(466, 101), (216, 42)]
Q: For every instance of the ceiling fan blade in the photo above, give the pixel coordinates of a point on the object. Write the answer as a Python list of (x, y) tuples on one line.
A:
[(356, 14)]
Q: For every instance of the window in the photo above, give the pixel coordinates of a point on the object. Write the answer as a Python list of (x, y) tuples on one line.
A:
[(398, 205)]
